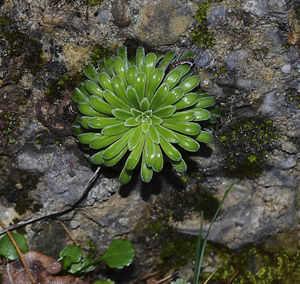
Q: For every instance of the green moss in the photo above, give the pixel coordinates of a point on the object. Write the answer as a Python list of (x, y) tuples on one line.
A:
[(91, 3), (198, 199), (98, 53), (293, 97), (67, 82), (18, 44), (200, 34), (9, 126), (47, 138), (246, 144), (257, 265)]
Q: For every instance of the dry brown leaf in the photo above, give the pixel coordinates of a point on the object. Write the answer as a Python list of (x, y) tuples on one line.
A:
[(42, 267)]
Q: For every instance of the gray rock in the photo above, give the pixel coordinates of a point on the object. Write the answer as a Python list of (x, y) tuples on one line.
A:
[(163, 22), (256, 7), (216, 15), (286, 68), (278, 6)]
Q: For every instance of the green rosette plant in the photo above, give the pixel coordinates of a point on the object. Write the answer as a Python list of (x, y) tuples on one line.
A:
[(145, 108)]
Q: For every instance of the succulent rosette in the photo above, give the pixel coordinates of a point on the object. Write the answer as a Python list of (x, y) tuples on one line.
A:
[(142, 109)]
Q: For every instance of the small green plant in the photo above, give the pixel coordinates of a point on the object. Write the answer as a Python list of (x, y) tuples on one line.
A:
[(201, 246), (140, 107), (8, 250), (119, 254)]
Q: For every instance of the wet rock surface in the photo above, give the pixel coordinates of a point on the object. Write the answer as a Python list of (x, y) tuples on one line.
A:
[(252, 69)]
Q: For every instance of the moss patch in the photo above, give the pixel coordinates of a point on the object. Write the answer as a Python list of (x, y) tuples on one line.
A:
[(257, 265), (245, 144), (18, 44), (67, 82), (200, 34)]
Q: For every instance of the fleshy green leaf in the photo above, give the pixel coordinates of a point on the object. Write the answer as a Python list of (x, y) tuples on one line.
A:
[(97, 158), (165, 111), (115, 148), (79, 97), (86, 109), (167, 134), (135, 155), (159, 160), (121, 113), (188, 143), (173, 96), (205, 102), (122, 53), (114, 129), (131, 121), (111, 162), (76, 129), (205, 137), (184, 127), (159, 96), (83, 120), (170, 150), (201, 114), (167, 60), (187, 101), (179, 166), (153, 133), (135, 138), (119, 254), (103, 141), (187, 115), (85, 138), (108, 62), (140, 58), (153, 82), (144, 104), (140, 83), (69, 255), (100, 105), (190, 83), (125, 176), (173, 78), (8, 250), (146, 172), (131, 73), (133, 97), (111, 98), (105, 81), (149, 151), (90, 72), (184, 68), (119, 88), (150, 61), (100, 122), (120, 69), (93, 88)]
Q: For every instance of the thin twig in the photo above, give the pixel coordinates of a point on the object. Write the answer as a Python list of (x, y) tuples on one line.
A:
[(19, 253), (211, 275), (59, 212), (68, 232)]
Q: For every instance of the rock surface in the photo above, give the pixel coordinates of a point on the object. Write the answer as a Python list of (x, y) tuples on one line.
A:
[(252, 70)]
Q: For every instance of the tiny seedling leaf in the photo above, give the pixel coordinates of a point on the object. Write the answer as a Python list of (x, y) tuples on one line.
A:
[(84, 266), (119, 254), (104, 282), (8, 250), (70, 255)]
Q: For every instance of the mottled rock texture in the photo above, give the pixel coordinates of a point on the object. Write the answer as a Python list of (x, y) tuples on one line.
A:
[(251, 66)]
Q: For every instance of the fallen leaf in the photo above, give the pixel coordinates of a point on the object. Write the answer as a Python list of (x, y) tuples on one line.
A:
[(42, 267)]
